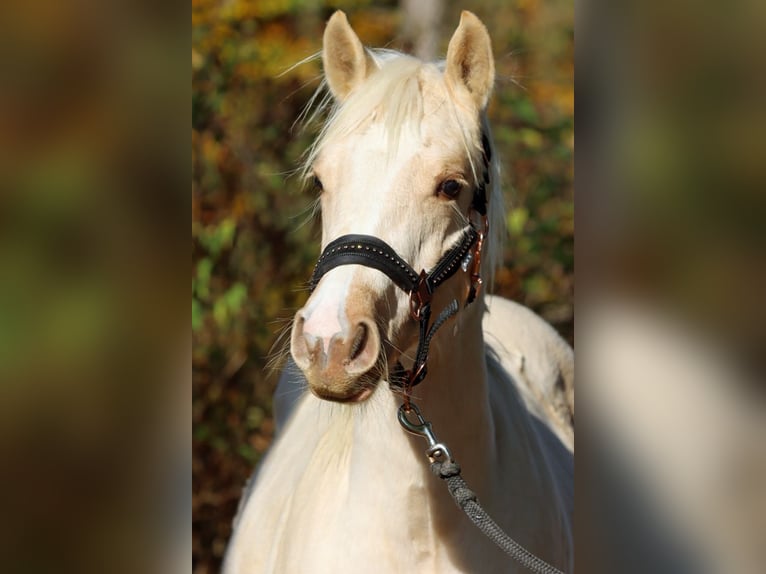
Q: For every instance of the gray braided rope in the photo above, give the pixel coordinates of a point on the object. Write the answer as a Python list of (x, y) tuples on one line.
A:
[(446, 313), (466, 499)]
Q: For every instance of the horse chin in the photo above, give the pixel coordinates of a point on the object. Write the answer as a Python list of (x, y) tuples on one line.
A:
[(343, 390)]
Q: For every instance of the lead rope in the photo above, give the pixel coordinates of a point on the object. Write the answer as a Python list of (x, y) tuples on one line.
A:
[(445, 467)]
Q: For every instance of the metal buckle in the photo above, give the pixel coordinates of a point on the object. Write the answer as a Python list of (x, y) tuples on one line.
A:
[(475, 273), (419, 296)]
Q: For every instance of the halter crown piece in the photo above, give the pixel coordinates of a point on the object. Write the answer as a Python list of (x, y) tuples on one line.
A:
[(375, 253)]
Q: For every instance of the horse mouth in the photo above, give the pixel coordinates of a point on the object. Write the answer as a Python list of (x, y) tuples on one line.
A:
[(349, 391), (355, 397)]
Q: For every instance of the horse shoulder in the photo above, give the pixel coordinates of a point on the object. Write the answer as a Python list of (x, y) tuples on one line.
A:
[(538, 360)]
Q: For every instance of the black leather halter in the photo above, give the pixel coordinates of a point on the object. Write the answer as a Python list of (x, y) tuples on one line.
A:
[(375, 253)]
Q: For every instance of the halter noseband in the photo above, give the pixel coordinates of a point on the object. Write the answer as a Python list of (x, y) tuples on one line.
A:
[(372, 252)]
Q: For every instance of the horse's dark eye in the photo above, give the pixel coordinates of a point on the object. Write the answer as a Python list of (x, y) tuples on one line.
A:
[(317, 184), (450, 188)]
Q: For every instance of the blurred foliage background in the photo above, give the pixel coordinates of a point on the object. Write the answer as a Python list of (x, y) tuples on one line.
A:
[(250, 255)]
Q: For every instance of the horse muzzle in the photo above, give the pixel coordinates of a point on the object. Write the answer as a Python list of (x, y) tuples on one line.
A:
[(337, 356)]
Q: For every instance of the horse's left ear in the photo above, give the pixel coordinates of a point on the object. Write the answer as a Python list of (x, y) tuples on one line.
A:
[(470, 64), (346, 62)]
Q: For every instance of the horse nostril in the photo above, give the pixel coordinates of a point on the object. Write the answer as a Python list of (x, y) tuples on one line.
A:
[(359, 342)]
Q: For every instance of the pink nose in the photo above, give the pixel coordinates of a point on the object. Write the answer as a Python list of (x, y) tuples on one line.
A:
[(335, 362)]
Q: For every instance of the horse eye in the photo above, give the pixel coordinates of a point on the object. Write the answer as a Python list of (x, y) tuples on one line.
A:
[(317, 184), (450, 188)]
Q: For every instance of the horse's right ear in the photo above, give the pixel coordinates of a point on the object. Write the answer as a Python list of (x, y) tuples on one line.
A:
[(346, 62)]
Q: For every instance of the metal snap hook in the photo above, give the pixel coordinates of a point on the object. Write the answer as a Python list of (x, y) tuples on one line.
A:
[(436, 451)]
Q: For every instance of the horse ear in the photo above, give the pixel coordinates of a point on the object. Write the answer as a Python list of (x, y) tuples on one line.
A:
[(469, 59), (346, 62)]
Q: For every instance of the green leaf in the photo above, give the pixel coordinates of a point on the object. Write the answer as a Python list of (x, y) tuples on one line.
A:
[(221, 312), (517, 219), (197, 315), (235, 297), (532, 139), (202, 284)]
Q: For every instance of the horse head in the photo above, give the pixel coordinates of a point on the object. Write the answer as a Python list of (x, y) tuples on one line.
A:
[(399, 159)]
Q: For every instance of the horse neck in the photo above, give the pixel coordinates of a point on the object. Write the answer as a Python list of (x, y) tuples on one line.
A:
[(454, 395)]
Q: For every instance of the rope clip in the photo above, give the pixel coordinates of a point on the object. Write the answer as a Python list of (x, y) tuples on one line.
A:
[(436, 452)]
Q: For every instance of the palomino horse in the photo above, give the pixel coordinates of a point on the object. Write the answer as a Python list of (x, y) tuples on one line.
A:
[(405, 158)]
